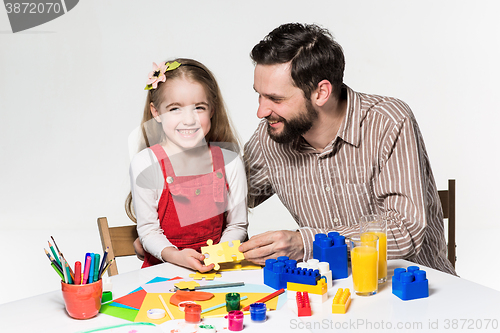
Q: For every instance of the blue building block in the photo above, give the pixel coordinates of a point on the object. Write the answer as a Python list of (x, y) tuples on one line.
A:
[(272, 273), (301, 275), (410, 283), (278, 272), (332, 249)]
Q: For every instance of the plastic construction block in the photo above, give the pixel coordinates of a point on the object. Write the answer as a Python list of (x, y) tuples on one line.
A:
[(410, 283), (341, 301), (319, 289), (332, 248), (303, 305), (301, 275), (313, 298), (272, 273), (323, 267), (278, 272)]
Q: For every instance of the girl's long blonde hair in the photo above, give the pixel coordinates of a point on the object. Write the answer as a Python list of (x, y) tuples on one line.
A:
[(221, 128)]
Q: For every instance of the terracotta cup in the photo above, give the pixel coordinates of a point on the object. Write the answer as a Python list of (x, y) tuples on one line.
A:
[(82, 301)]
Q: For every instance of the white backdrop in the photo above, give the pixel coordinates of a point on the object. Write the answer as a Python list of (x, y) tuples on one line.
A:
[(71, 92)]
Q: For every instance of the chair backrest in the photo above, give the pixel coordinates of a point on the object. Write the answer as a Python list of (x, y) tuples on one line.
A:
[(119, 240), (448, 202)]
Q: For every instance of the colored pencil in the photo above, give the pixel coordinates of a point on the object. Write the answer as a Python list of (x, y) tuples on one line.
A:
[(54, 253), (53, 261), (91, 270), (107, 265), (215, 307), (78, 272), (265, 299), (57, 270), (96, 266), (166, 307), (86, 270), (103, 262), (64, 271), (57, 247), (221, 285), (70, 280), (62, 255)]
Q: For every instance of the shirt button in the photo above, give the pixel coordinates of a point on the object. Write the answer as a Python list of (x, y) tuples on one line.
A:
[(170, 180), (197, 192), (327, 188), (335, 220)]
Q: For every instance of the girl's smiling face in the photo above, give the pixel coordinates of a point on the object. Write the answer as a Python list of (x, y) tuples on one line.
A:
[(184, 114)]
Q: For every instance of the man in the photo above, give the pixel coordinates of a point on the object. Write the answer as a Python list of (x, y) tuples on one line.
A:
[(332, 154)]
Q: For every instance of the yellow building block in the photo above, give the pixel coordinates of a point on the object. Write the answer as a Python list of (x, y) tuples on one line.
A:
[(341, 301), (319, 289)]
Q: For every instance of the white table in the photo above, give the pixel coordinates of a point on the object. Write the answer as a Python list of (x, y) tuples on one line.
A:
[(454, 304)]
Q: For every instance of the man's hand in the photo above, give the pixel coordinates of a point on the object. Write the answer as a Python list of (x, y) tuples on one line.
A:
[(273, 244)]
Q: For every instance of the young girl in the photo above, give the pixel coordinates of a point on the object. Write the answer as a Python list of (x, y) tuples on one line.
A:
[(185, 189)]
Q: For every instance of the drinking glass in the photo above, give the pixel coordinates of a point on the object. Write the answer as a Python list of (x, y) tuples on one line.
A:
[(376, 224), (364, 263)]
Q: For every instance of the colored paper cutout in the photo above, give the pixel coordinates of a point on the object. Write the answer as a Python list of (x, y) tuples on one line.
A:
[(238, 266), (133, 300), (122, 306), (123, 313), (187, 285), (207, 276), (182, 296), (166, 286)]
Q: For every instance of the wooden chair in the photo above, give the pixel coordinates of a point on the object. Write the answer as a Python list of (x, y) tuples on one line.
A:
[(119, 240), (448, 202)]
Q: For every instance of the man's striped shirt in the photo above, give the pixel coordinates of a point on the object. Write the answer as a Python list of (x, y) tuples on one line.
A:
[(377, 164)]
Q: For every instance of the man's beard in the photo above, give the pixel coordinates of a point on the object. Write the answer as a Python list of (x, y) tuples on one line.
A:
[(294, 127)]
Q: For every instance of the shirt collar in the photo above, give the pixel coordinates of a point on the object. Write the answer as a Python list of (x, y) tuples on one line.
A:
[(350, 129)]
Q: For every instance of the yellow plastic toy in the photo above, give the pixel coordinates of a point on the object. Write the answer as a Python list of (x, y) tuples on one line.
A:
[(319, 289), (341, 301), (187, 285)]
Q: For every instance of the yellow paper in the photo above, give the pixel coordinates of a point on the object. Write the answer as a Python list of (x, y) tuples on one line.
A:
[(152, 301), (238, 266)]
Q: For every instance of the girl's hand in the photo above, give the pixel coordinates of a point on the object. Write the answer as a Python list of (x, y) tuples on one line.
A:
[(139, 250), (187, 257)]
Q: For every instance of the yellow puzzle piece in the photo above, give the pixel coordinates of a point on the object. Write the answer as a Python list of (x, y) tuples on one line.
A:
[(231, 252), (207, 276), (187, 285), (222, 252)]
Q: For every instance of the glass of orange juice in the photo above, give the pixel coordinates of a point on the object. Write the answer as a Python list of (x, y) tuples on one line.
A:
[(364, 263), (376, 224)]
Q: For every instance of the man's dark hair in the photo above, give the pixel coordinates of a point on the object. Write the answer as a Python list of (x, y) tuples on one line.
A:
[(313, 53)]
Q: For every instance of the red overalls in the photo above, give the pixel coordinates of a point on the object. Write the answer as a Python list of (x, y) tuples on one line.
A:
[(191, 208)]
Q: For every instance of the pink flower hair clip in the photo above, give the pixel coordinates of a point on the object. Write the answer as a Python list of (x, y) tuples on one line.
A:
[(158, 74)]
